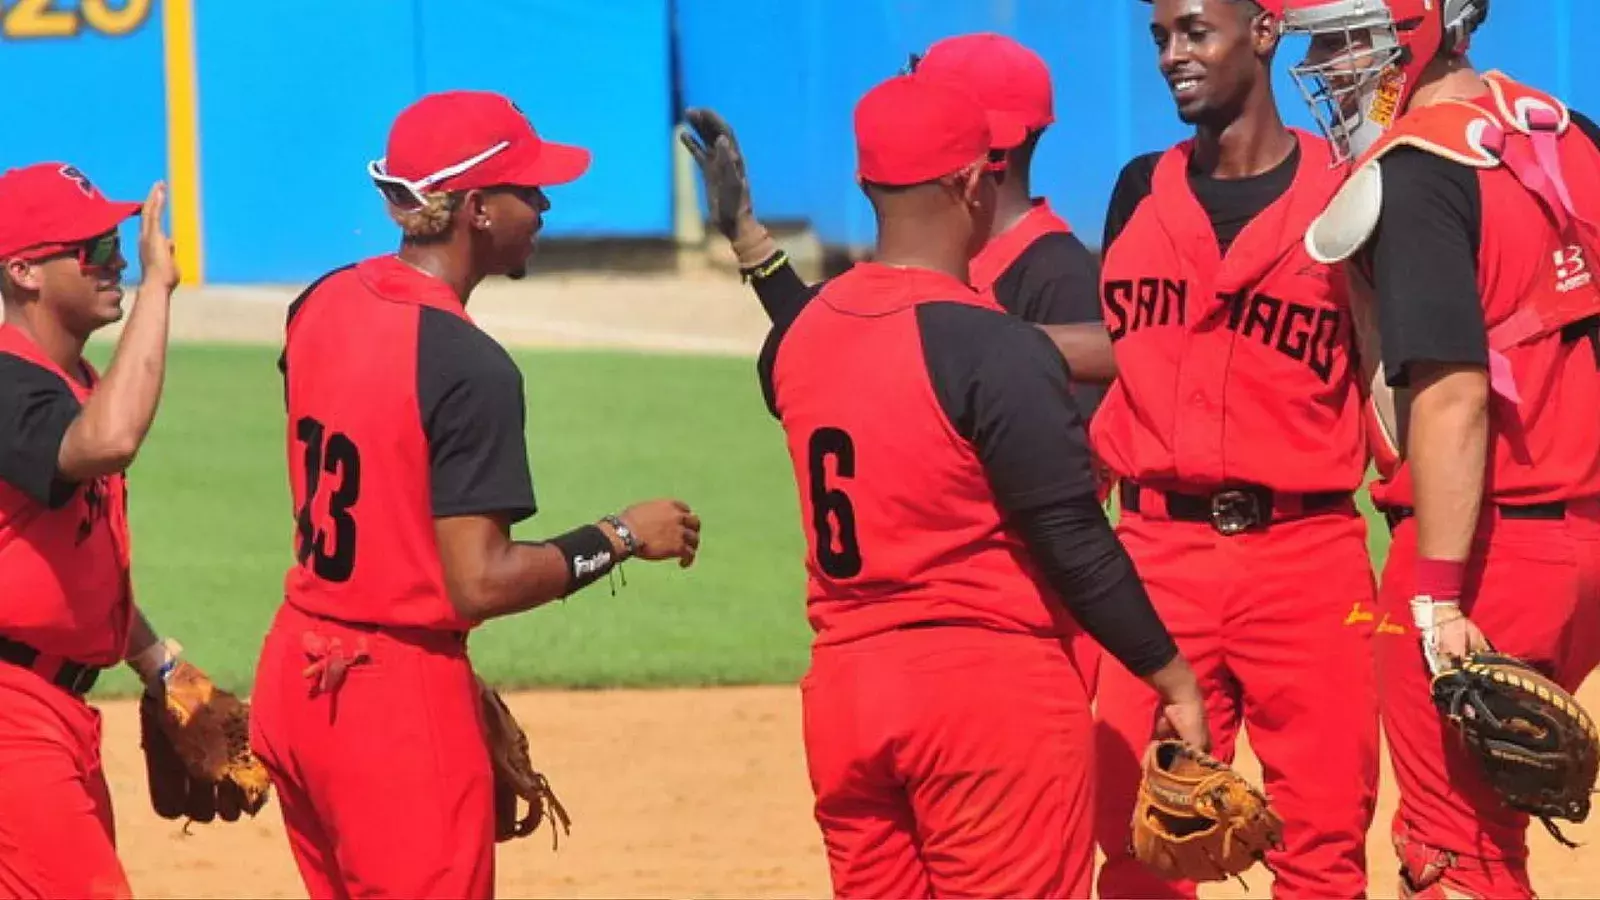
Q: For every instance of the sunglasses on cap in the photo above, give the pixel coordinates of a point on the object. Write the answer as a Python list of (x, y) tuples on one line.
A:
[(408, 195), (98, 252)]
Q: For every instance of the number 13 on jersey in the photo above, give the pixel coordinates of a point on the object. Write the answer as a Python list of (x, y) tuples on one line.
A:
[(327, 542), (833, 519)]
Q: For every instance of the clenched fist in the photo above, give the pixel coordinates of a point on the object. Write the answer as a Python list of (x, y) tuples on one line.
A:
[(664, 529)]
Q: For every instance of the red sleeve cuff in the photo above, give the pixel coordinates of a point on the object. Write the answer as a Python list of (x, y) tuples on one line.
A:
[(1440, 579)]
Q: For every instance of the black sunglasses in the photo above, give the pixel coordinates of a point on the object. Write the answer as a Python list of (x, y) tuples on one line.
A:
[(99, 252)]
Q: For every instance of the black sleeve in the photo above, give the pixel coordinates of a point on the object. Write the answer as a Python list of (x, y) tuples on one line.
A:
[(1587, 126), (474, 415), (1003, 387), (789, 298), (783, 293), (1056, 281), (1133, 185), (36, 408), (1424, 259)]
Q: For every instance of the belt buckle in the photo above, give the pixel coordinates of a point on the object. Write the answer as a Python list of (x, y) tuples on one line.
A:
[(1234, 511)]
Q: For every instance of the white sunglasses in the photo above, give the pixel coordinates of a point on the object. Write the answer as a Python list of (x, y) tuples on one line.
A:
[(406, 194)]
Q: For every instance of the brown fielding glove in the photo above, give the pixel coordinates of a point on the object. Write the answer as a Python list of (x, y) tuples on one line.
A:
[(1196, 819), (514, 776), (196, 740), (1537, 746)]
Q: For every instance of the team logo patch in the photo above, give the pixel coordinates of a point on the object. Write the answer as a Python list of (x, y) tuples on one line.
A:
[(1572, 269), (72, 174)]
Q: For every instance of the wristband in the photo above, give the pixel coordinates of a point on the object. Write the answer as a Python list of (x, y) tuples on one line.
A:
[(765, 268), (1440, 579), (155, 663), (629, 541), (588, 554)]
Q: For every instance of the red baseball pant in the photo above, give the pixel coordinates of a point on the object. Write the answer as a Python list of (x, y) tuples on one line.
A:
[(1533, 587), (384, 779), (57, 835), (1276, 625), (951, 762)]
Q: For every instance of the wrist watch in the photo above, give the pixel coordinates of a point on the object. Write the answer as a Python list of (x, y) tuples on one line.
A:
[(629, 542)]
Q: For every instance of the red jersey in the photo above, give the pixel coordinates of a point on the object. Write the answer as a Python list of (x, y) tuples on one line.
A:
[(399, 411), (1454, 283), (64, 550), (1003, 250), (1234, 365), (902, 523)]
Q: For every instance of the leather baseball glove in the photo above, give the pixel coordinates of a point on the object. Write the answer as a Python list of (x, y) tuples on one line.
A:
[(196, 740), (515, 777), (1196, 819), (1537, 746)]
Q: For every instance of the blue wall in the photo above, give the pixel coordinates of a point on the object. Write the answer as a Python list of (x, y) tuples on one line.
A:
[(297, 95), (88, 98), (787, 78)]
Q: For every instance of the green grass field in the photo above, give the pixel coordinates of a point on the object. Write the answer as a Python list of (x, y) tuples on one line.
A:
[(212, 527)]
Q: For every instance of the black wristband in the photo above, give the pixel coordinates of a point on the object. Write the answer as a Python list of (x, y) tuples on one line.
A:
[(764, 269), (588, 553)]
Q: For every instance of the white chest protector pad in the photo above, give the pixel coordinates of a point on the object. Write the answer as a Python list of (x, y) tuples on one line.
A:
[(1350, 219)]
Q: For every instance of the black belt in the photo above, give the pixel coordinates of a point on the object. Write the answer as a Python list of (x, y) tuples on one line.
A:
[(72, 677), (1555, 509), (1236, 509)]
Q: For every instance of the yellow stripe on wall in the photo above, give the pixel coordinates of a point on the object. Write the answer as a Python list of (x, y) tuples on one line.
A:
[(183, 138)]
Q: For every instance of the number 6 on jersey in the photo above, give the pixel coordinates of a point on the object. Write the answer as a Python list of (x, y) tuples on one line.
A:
[(826, 502)]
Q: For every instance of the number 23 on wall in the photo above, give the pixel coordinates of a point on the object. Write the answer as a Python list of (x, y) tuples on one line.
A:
[(23, 20)]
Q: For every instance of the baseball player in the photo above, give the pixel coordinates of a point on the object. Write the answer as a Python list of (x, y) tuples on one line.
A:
[(69, 436), (407, 467), (1489, 325), (954, 543), (1234, 429), (1033, 264)]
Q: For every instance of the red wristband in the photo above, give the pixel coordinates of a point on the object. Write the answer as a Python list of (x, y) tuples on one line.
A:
[(1440, 579)]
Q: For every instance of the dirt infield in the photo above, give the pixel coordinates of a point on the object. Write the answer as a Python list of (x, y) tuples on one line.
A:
[(672, 793)]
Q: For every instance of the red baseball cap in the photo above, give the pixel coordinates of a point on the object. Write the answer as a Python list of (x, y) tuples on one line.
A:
[(52, 204), (1010, 80), (911, 130), (456, 140)]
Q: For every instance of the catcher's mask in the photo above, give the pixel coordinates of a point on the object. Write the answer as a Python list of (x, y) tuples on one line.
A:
[(1366, 57)]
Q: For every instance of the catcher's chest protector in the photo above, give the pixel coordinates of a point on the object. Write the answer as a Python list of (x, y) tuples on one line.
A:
[(1538, 243), (1235, 367), (65, 570), (357, 453)]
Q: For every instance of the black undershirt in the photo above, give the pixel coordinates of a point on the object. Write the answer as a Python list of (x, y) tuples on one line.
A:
[(1424, 261), (1230, 203), (1004, 388), (1056, 281), (473, 414), (36, 408)]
